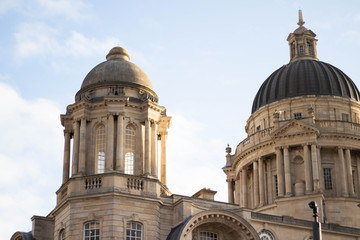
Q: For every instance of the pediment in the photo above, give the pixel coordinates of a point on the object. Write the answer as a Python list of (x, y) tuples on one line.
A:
[(295, 128)]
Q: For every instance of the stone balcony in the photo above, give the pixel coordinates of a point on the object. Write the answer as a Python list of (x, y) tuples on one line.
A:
[(115, 182)]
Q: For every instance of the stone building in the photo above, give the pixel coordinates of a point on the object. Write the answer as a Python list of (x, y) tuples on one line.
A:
[(302, 146)]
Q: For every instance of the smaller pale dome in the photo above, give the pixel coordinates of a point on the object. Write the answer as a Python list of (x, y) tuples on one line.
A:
[(116, 70)]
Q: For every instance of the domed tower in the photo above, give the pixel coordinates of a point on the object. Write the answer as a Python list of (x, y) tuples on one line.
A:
[(303, 141), (114, 128)]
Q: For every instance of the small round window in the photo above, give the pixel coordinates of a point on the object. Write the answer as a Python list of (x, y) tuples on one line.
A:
[(266, 235)]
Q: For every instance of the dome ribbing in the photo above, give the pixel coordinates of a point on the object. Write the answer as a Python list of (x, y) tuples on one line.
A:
[(303, 78)]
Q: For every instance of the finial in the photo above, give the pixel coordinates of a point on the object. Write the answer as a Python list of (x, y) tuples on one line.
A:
[(301, 22), (118, 53), (228, 149)]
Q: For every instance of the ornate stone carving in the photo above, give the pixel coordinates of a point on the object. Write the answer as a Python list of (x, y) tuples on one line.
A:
[(145, 96)]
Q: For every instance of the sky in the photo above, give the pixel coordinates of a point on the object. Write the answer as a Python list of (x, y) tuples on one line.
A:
[(206, 60)]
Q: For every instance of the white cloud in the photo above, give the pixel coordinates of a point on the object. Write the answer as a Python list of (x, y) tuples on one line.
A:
[(194, 161), (38, 39), (7, 5), (68, 8), (31, 158), (33, 39), (79, 45)]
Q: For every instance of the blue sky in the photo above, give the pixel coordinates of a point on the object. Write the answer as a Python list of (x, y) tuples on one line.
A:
[(206, 61)]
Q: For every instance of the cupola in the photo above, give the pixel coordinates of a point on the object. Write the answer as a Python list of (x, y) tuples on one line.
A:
[(302, 42)]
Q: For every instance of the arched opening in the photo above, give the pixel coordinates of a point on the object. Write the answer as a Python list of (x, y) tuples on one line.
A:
[(214, 225)]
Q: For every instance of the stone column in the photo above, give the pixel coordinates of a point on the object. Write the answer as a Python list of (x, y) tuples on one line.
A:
[(256, 183), (349, 172), (75, 160), (244, 187), (261, 182), (307, 168), (230, 191), (321, 171), (154, 149), (280, 171), (66, 165), (343, 179), (358, 168), (109, 155), (315, 168), (163, 158), (287, 169), (239, 189), (269, 181), (82, 146), (120, 162), (147, 147)]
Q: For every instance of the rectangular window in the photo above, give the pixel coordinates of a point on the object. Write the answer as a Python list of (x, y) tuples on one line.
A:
[(301, 50), (92, 231), (133, 231), (345, 117), (327, 179), (297, 115), (258, 128), (208, 236), (276, 186)]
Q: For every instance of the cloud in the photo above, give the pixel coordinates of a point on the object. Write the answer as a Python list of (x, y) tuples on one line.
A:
[(38, 39), (31, 157), (68, 8), (79, 45), (34, 39), (7, 5), (194, 161)]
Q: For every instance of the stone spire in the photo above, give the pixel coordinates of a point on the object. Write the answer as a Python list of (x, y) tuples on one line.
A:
[(302, 42), (301, 22)]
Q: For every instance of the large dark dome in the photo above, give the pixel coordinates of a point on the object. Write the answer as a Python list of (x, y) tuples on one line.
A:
[(302, 78)]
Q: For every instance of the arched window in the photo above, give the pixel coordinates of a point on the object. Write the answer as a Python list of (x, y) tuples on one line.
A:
[(100, 149), (92, 231), (129, 149), (133, 231), (208, 236), (62, 234)]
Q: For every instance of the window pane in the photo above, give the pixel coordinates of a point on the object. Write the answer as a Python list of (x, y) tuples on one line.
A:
[(327, 179), (92, 231), (129, 149), (133, 231), (100, 149)]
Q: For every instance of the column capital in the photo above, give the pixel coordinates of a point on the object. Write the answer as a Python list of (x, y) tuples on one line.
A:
[(285, 147), (278, 148), (340, 148), (67, 131), (111, 114)]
